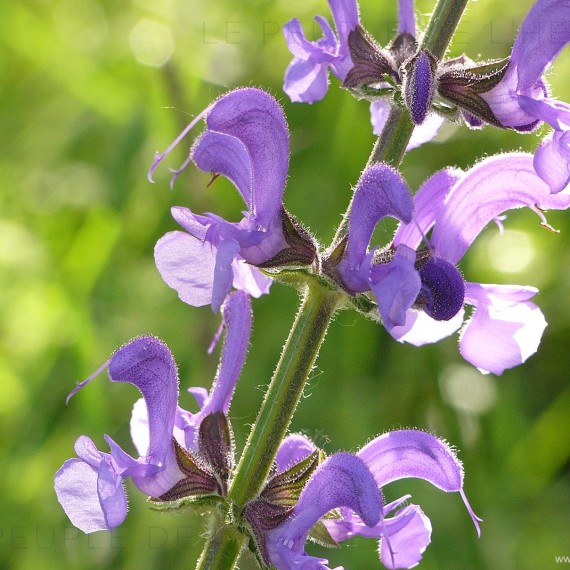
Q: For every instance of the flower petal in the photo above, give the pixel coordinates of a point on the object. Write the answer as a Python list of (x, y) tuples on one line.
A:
[(552, 160), (147, 363), (187, 265), (249, 279), (293, 449), (342, 480), (380, 192), (428, 201), (76, 486), (256, 119), (420, 328), (396, 286), (306, 81), (409, 534), (496, 184), (406, 17), (505, 328), (411, 453), (544, 32), (227, 155), (228, 250), (236, 312)]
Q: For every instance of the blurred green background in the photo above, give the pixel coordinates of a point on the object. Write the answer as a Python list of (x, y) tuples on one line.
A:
[(89, 90)]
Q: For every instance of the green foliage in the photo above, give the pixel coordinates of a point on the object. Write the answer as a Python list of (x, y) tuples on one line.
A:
[(82, 113)]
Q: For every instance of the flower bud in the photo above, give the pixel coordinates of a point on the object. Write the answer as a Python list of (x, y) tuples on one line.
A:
[(420, 85)]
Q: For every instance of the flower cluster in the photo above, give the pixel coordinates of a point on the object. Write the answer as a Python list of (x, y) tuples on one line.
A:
[(181, 455), (509, 93), (412, 285)]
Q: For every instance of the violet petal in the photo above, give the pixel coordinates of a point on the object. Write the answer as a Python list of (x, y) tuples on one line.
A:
[(395, 285), (380, 192), (544, 32), (187, 266), (293, 449), (496, 184), (428, 201), (411, 453), (256, 119), (505, 328)]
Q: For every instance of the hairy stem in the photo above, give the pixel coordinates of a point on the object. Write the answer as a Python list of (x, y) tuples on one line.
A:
[(307, 335)]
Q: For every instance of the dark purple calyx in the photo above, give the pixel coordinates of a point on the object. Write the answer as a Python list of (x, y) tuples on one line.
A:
[(442, 291), (207, 470), (463, 82), (371, 62), (276, 501), (301, 247), (420, 84)]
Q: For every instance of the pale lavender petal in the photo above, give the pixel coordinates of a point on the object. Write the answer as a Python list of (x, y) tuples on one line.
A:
[(345, 16), (306, 81), (552, 160), (341, 481), (236, 312), (302, 48), (76, 486), (496, 184), (406, 17), (195, 225), (380, 192), (250, 279), (421, 329), (152, 477), (396, 286), (428, 201), (379, 111), (187, 265), (410, 453), (257, 120), (544, 32), (227, 155), (147, 363), (505, 328), (112, 496), (409, 534), (200, 394), (555, 113), (504, 102), (223, 274), (293, 449)]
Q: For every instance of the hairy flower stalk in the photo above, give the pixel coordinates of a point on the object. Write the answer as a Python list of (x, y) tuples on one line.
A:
[(308, 332)]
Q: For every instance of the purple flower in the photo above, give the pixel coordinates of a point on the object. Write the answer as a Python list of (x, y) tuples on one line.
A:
[(247, 141), (174, 461), (505, 327), (351, 484), (421, 294), (391, 276), (306, 78), (520, 100)]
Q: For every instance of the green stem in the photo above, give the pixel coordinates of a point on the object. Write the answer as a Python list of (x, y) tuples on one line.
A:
[(442, 26), (308, 332), (223, 548), (286, 388)]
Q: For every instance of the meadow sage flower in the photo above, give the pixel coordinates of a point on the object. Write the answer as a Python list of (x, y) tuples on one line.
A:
[(521, 99), (247, 140), (505, 327), (350, 485), (180, 454), (420, 293)]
